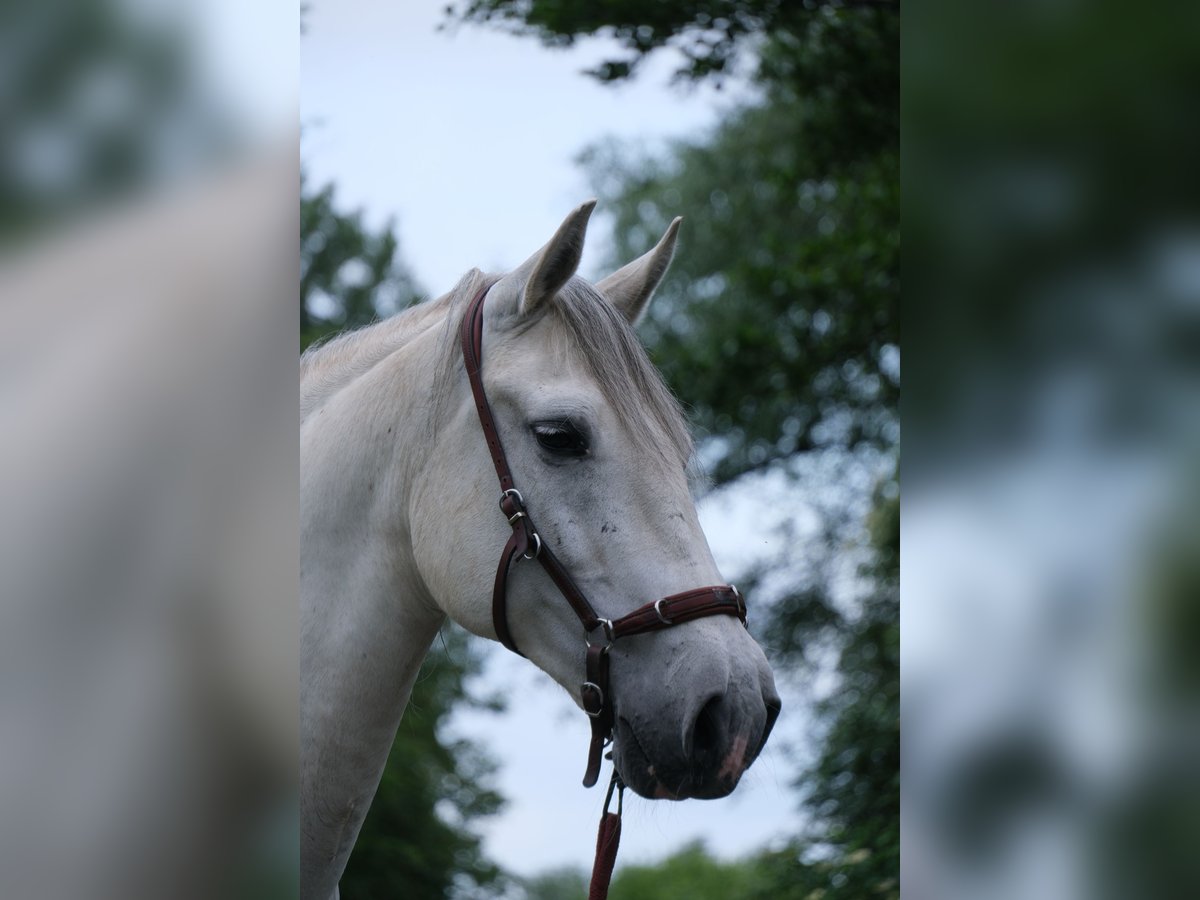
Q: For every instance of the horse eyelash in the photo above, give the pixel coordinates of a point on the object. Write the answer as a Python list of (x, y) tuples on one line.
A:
[(565, 424)]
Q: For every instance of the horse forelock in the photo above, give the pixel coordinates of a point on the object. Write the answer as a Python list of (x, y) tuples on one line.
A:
[(622, 370)]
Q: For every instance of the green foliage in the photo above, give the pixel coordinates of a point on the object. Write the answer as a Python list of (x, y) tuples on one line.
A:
[(349, 276), (99, 101), (780, 320), (854, 788), (1041, 178), (557, 884), (416, 841), (690, 874), (710, 34)]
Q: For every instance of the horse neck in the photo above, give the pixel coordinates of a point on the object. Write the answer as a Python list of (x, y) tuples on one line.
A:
[(328, 368), (367, 619)]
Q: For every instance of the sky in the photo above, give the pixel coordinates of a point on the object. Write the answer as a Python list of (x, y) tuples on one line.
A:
[(468, 141)]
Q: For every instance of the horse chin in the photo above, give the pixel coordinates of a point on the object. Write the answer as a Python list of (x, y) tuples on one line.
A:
[(665, 782), (635, 767)]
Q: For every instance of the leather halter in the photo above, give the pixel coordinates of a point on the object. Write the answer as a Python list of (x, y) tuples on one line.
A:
[(525, 541)]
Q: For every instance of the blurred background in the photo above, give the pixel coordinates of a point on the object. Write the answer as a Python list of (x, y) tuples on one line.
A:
[(1052, 309), (148, 458), (439, 138)]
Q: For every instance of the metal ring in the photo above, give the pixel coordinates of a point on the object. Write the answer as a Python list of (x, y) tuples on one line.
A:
[(537, 540), (659, 612), (609, 637), (743, 612)]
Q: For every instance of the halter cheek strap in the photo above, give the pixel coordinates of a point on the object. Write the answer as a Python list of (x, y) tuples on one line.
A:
[(525, 542)]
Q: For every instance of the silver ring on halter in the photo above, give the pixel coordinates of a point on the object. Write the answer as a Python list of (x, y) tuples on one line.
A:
[(537, 541), (609, 637), (741, 602), (515, 493), (658, 610)]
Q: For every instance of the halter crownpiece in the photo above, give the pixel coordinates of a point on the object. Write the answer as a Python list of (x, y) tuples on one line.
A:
[(601, 633)]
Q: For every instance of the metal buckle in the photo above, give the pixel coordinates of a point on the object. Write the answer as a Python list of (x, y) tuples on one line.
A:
[(514, 492), (658, 611), (599, 693)]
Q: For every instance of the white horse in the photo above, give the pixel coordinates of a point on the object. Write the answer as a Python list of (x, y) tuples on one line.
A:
[(399, 529)]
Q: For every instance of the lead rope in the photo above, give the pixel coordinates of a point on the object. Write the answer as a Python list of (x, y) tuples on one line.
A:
[(608, 839)]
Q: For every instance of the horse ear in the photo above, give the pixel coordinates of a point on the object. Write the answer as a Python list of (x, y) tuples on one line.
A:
[(631, 287), (552, 266)]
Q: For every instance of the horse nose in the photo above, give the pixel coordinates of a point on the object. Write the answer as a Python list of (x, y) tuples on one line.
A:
[(698, 738), (722, 739)]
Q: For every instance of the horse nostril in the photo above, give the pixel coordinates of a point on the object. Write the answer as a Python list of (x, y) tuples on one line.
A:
[(706, 730)]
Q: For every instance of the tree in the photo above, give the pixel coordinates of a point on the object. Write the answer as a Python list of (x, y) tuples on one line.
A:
[(710, 34), (853, 788), (689, 874), (557, 884), (100, 102), (349, 276)]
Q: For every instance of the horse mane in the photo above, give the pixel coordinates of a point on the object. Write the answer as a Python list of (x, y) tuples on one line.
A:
[(592, 326), (333, 362)]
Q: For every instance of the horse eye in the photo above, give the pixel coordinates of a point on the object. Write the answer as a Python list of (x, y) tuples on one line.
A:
[(560, 438)]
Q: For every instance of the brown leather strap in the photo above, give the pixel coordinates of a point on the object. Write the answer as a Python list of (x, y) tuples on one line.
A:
[(608, 839), (472, 349), (598, 705), (722, 599), (516, 545)]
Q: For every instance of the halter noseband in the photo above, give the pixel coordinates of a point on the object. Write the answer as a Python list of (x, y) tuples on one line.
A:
[(525, 541)]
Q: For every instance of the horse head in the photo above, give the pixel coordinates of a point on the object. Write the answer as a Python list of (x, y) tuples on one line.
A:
[(600, 451)]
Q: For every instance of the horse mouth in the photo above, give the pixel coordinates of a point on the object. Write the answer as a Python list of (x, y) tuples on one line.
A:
[(633, 763), (706, 779)]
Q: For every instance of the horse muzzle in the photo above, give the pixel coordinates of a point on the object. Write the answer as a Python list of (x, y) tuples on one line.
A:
[(704, 757)]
